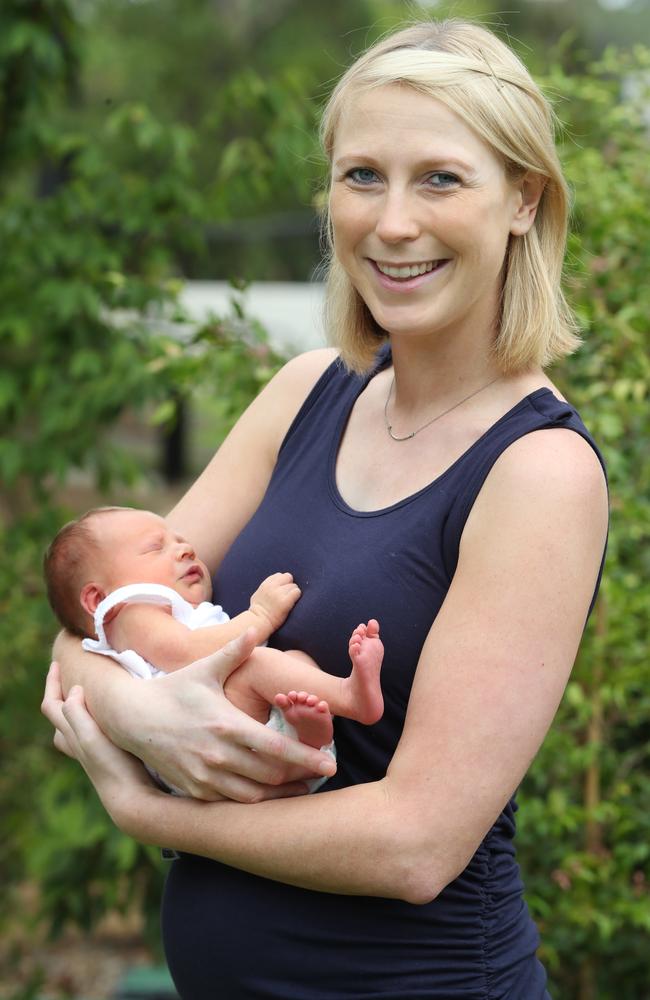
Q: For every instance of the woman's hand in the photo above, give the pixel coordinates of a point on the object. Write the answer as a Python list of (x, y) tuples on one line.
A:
[(183, 726), (116, 775)]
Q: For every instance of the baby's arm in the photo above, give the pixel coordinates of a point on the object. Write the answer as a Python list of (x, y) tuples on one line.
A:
[(269, 606), (166, 643)]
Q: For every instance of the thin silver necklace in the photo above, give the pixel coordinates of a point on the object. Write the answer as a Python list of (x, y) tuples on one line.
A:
[(407, 437)]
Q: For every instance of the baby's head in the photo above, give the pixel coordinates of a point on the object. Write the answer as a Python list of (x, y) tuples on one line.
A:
[(110, 547)]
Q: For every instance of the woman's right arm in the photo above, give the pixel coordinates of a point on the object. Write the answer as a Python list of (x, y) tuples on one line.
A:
[(188, 731), (229, 490)]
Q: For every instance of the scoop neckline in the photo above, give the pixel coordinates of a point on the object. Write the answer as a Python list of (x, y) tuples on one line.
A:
[(342, 423)]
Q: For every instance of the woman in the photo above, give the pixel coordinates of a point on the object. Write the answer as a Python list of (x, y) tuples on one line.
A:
[(442, 485)]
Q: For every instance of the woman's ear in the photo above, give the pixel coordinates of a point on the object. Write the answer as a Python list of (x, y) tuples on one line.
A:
[(530, 190), (90, 597)]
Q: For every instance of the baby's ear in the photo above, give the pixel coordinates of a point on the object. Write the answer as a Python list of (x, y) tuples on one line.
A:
[(90, 596)]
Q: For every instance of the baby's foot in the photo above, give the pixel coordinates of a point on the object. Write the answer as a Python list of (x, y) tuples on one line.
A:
[(309, 716), (366, 652)]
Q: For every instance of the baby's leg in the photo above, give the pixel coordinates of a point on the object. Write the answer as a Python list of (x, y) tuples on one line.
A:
[(252, 687), (242, 690), (363, 686), (267, 671), (309, 716)]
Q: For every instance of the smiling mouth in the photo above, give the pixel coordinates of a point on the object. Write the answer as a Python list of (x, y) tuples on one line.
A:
[(405, 271)]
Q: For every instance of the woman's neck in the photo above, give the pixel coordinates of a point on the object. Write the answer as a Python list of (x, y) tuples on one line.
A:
[(444, 372)]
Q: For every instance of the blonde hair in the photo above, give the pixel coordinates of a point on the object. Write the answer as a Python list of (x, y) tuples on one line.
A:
[(480, 79)]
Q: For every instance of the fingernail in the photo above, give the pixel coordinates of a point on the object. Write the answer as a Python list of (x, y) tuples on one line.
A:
[(327, 768)]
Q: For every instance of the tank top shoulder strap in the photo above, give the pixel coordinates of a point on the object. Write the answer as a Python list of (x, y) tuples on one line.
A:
[(538, 411), (139, 593), (336, 390)]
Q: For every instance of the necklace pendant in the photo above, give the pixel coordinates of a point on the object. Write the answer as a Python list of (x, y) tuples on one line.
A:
[(407, 437)]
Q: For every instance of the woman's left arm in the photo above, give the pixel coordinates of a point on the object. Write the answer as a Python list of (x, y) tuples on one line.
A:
[(489, 681)]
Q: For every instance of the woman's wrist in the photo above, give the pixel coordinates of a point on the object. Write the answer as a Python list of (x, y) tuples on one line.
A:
[(127, 802)]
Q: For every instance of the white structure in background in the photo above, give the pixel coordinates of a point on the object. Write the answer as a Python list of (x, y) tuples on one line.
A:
[(291, 312), (636, 88)]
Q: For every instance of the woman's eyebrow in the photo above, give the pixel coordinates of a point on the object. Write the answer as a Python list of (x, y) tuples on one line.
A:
[(432, 162), (354, 158)]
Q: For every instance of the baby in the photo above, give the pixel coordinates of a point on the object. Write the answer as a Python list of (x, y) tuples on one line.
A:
[(124, 576)]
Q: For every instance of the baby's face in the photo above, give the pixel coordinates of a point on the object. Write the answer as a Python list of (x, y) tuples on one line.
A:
[(139, 547)]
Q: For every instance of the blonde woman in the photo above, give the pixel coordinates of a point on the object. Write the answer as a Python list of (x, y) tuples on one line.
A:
[(432, 475)]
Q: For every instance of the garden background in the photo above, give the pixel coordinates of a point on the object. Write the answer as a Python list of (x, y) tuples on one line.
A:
[(147, 142)]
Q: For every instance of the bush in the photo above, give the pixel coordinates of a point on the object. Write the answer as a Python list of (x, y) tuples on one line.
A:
[(585, 819), (90, 329), (87, 297)]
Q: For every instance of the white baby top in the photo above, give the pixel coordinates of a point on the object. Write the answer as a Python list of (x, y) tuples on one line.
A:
[(149, 593)]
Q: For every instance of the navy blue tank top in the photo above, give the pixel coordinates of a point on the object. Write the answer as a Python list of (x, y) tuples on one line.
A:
[(233, 936)]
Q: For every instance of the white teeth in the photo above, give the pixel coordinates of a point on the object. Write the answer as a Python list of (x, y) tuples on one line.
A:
[(408, 270)]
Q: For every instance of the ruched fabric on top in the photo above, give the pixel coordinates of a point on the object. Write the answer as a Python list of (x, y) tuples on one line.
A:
[(233, 936)]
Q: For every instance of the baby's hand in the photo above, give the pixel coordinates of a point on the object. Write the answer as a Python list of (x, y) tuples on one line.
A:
[(273, 600)]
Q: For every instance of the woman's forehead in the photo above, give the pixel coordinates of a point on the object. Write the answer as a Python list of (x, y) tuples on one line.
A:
[(396, 117)]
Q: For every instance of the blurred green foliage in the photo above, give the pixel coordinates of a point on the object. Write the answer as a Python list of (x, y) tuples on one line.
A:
[(91, 223), (585, 807), (194, 153)]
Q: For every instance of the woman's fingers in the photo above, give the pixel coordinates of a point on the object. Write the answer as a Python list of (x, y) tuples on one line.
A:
[(80, 720), (53, 696), (52, 709), (248, 748), (258, 767), (238, 789), (230, 765), (239, 758), (281, 751), (73, 726), (61, 744), (219, 666)]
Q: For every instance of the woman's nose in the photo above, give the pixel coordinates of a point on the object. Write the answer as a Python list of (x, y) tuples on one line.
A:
[(397, 220)]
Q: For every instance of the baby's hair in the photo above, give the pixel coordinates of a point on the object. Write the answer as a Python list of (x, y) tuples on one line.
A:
[(66, 566)]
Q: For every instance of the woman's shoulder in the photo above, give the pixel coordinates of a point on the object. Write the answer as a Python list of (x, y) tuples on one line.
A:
[(301, 372), (549, 454), (293, 383), (552, 449), (552, 468), (267, 420)]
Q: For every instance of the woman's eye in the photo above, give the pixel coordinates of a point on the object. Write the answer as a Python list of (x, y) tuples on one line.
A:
[(441, 179), (362, 175)]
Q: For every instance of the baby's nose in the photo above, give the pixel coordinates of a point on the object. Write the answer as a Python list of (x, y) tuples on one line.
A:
[(186, 551)]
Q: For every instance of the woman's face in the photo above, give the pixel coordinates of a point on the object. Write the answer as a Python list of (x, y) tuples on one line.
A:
[(421, 212)]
